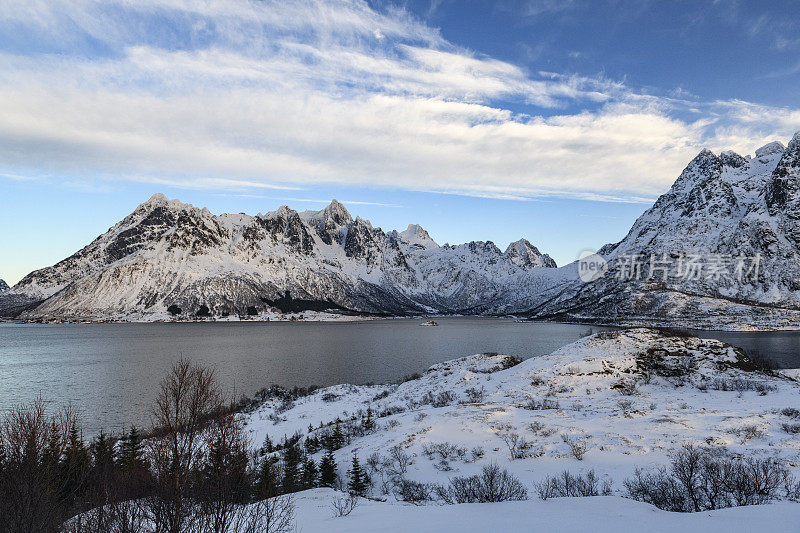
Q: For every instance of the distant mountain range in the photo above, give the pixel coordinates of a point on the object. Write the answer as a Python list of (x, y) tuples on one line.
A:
[(168, 257), (735, 220)]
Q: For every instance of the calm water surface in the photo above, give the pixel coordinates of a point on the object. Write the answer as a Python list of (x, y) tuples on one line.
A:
[(111, 371)]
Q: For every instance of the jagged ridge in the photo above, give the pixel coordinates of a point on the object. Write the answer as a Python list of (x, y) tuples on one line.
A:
[(167, 254)]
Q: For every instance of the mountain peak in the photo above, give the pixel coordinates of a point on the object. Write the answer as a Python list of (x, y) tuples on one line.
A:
[(337, 213), (158, 198), (527, 256), (775, 147), (414, 234), (3, 285), (729, 158)]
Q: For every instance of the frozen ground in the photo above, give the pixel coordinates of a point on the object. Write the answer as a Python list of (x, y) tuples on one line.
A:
[(628, 398)]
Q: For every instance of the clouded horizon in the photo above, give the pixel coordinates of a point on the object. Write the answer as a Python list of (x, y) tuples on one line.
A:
[(393, 105)]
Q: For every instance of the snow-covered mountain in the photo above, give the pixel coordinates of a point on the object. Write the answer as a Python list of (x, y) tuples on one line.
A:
[(721, 246), (167, 255)]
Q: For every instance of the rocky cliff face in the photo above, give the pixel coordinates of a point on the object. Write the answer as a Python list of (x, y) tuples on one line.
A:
[(723, 243), (3, 285), (170, 255)]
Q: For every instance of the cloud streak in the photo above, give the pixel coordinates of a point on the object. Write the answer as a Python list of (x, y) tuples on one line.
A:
[(238, 95)]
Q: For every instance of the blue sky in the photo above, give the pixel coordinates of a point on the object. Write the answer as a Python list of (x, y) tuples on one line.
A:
[(554, 120)]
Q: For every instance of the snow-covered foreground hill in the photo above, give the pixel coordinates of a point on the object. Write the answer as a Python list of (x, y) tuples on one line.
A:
[(601, 514), (610, 403)]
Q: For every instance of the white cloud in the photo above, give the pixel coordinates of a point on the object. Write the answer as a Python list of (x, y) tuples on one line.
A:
[(245, 95)]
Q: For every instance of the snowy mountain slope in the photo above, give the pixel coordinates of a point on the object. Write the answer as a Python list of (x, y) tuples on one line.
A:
[(726, 213), (630, 397), (3, 285), (167, 253)]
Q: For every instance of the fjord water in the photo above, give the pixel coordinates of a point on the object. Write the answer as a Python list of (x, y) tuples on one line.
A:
[(111, 371)]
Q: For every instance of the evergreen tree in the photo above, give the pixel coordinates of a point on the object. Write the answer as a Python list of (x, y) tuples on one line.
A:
[(73, 469), (131, 452), (310, 473), (336, 439), (267, 446), (292, 456), (368, 423), (357, 484), (327, 470), (266, 485)]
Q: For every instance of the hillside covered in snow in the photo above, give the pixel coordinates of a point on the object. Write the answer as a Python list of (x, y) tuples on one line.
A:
[(605, 406)]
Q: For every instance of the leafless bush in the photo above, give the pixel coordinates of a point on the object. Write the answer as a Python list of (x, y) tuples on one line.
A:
[(476, 453), (625, 386), (443, 399), (443, 450), (475, 395), (701, 479), (791, 412), (537, 381), (540, 429), (578, 447), (329, 397), (747, 432), (414, 492), (740, 385), (343, 504), (792, 429), (517, 446), (492, 485), (398, 460), (624, 404), (567, 485), (273, 515), (535, 405)]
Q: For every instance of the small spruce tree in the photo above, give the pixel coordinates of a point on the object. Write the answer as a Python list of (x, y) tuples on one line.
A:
[(357, 484), (310, 473), (327, 470)]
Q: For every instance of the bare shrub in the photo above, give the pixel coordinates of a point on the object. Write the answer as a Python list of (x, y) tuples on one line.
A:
[(625, 386), (747, 432), (535, 405), (792, 429), (475, 395), (567, 485), (492, 485), (740, 385), (343, 504), (701, 479), (476, 453), (443, 450), (624, 404), (791, 412), (517, 446), (578, 447), (398, 460), (414, 492), (272, 515)]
